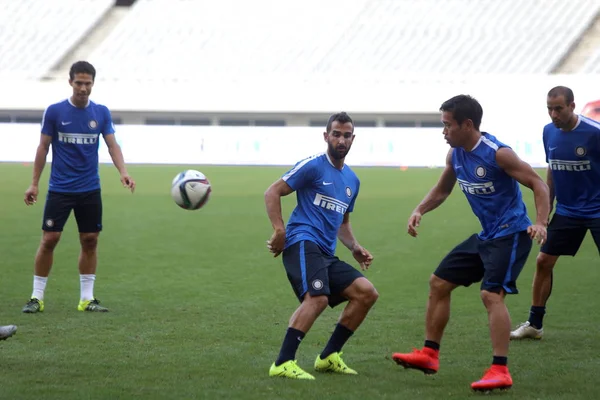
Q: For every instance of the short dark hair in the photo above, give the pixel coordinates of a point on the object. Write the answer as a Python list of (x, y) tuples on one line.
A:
[(562, 91), (464, 107), (82, 67), (340, 117)]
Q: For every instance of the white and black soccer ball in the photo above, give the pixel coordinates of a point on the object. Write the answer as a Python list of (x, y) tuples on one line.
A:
[(190, 189)]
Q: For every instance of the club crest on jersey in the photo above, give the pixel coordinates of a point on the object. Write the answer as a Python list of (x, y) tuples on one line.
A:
[(348, 191), (93, 124), (480, 171), (580, 151)]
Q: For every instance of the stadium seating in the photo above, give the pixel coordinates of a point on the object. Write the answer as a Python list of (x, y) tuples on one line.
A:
[(592, 66), (316, 40), (376, 39), (36, 34)]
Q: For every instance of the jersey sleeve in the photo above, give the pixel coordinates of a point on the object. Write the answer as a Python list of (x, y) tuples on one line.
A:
[(109, 126), (49, 121), (301, 175), (545, 141)]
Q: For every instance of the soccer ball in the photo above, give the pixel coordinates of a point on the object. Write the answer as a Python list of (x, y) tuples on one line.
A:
[(190, 189)]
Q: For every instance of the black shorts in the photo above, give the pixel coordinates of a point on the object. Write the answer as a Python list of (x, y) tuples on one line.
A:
[(497, 262), (87, 207), (565, 235), (311, 270)]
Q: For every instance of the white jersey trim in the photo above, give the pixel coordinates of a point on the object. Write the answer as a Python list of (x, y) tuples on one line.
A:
[(589, 121), (300, 165), (489, 143)]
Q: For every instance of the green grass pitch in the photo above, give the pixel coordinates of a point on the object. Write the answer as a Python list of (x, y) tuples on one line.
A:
[(199, 307)]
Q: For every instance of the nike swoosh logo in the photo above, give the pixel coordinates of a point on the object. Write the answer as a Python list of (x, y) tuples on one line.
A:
[(327, 183), (457, 166), (66, 123), (552, 148)]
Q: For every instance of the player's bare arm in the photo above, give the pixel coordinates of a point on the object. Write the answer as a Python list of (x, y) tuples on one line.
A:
[(522, 172), (41, 153), (347, 237), (273, 197), (550, 184), (436, 196), (117, 157)]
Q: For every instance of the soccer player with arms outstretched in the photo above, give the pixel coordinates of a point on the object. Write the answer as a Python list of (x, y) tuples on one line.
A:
[(489, 173), (326, 190), (572, 145), (73, 127)]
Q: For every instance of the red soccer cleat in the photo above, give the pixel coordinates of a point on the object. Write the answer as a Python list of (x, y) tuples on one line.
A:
[(426, 360), (496, 377)]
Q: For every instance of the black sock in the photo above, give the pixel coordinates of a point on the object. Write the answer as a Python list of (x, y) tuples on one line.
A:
[(340, 336), (536, 316), (500, 360), (292, 340), (432, 345)]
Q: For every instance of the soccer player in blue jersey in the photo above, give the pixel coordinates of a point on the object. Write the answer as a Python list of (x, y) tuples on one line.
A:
[(488, 173), (73, 127), (326, 190), (572, 145)]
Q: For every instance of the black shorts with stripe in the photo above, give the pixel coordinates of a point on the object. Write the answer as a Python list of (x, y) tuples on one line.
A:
[(310, 270), (497, 262), (565, 234)]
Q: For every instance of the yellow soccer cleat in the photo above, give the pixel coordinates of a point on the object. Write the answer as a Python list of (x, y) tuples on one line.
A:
[(33, 306), (91, 305), (333, 363), (290, 369)]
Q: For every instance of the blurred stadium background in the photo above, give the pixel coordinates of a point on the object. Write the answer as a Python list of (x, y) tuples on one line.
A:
[(255, 65)]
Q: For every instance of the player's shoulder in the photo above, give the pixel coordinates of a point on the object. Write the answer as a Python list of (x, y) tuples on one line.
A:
[(550, 128), (98, 106), (349, 172), (59, 105), (491, 142), (314, 160), (589, 124)]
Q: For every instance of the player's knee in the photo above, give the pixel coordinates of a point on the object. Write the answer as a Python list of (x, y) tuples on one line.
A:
[(439, 287), (89, 241), (49, 240), (491, 298), (545, 262)]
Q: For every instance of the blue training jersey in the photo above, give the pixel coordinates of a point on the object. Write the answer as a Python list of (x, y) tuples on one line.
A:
[(494, 196), (324, 194), (574, 159), (75, 132)]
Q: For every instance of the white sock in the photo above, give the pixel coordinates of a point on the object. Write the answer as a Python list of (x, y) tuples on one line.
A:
[(87, 286), (39, 286)]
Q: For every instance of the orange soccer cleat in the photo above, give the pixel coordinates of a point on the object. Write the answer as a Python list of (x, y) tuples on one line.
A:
[(426, 360)]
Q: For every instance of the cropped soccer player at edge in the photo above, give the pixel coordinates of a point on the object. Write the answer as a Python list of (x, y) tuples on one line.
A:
[(572, 146), (326, 190), (489, 173), (72, 127)]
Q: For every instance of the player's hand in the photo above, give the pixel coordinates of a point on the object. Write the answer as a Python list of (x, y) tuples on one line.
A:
[(31, 195), (128, 182), (276, 243), (538, 233), (363, 256), (413, 223)]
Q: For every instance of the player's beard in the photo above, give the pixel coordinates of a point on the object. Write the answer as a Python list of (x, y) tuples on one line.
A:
[(338, 154)]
